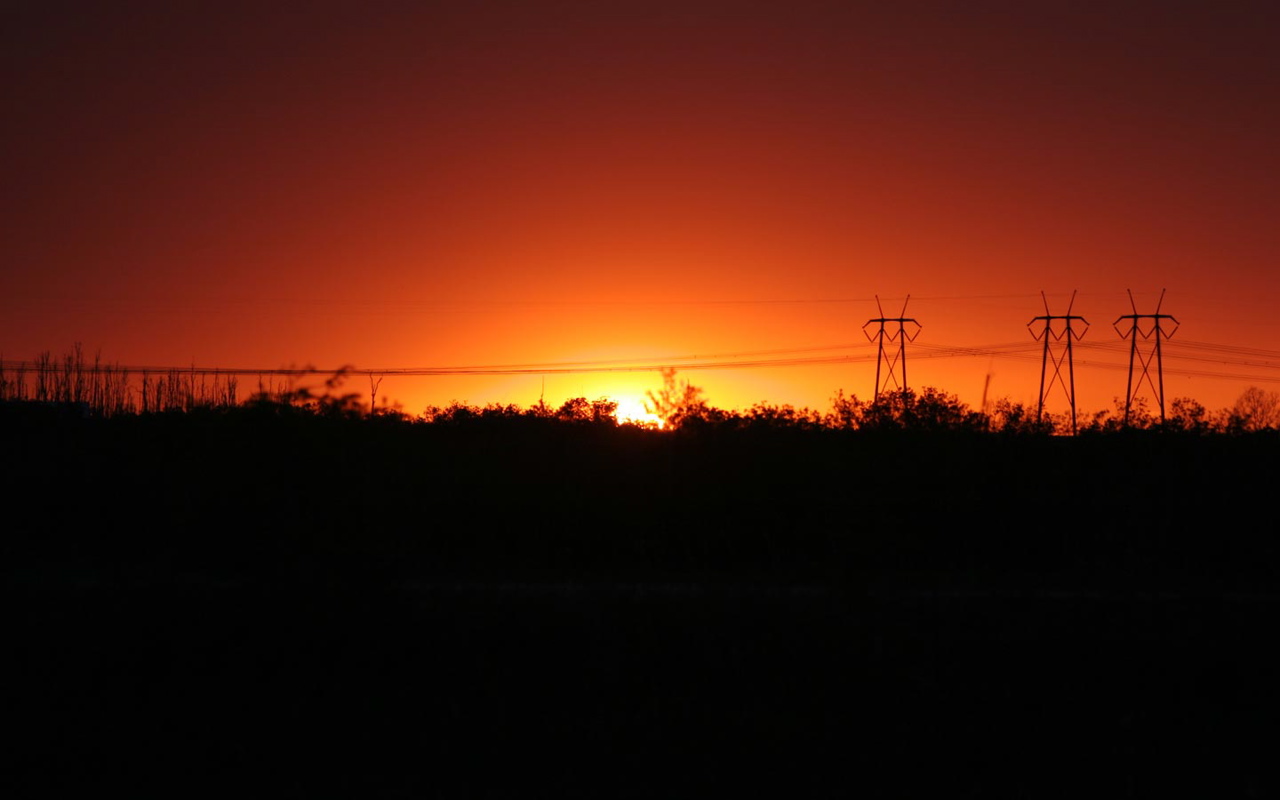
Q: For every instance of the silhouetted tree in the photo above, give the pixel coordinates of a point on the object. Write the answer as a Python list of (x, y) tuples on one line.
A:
[(579, 409), (846, 412), (327, 403), (678, 402), (1009, 417), (604, 411), (1110, 421), (764, 415), (1188, 416), (930, 410), (575, 409), (1257, 409), (455, 412)]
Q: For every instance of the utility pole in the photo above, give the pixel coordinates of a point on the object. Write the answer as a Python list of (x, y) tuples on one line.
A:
[(892, 361), (1155, 334), (1066, 335)]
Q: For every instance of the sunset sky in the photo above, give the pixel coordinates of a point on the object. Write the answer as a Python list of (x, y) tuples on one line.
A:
[(266, 184)]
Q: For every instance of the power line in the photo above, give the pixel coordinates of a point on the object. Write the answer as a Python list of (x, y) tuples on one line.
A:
[(1229, 355)]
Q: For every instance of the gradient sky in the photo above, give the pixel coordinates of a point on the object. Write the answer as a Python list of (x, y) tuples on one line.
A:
[(411, 184)]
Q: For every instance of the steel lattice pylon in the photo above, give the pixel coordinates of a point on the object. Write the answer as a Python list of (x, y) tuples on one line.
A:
[(1155, 334), (892, 361), (1066, 335)]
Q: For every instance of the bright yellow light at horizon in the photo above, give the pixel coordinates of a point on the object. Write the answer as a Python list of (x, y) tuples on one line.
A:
[(632, 410)]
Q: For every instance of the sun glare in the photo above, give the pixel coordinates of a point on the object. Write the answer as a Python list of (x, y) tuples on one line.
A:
[(632, 410)]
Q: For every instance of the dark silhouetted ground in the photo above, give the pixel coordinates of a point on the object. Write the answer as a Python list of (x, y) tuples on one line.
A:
[(276, 604)]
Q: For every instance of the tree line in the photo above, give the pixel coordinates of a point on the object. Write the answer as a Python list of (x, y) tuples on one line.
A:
[(74, 384)]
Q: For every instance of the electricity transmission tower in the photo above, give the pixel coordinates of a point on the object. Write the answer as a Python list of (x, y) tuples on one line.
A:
[(894, 363), (1064, 334), (1154, 334)]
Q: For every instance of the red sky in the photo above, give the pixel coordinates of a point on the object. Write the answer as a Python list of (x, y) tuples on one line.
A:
[(405, 185)]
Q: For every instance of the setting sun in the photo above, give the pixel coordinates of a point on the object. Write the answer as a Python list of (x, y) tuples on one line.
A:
[(631, 410)]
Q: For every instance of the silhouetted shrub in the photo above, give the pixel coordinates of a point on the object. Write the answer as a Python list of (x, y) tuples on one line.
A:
[(1008, 417), (930, 410)]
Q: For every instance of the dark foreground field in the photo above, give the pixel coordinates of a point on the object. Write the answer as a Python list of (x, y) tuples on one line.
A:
[(254, 605)]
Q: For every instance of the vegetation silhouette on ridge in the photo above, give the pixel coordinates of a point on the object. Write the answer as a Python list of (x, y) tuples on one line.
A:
[(100, 389)]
